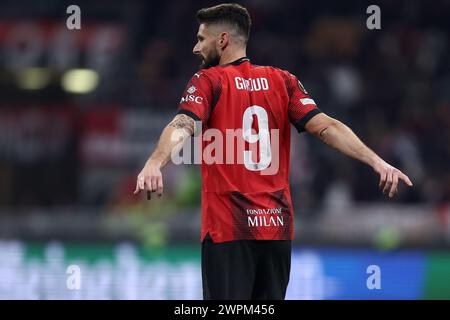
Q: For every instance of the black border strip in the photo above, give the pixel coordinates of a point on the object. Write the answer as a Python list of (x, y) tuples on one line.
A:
[(190, 114), (300, 125)]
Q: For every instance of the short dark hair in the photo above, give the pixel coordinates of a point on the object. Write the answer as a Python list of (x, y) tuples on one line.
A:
[(231, 14)]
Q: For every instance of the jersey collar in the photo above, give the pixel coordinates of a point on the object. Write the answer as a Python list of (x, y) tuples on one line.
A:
[(237, 62)]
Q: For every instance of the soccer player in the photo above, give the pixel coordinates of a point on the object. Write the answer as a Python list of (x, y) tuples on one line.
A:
[(247, 214)]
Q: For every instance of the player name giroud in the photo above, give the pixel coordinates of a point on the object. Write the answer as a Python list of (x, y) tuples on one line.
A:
[(256, 84)]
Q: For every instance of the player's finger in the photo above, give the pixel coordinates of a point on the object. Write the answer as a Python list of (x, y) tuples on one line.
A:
[(394, 185), (405, 178), (388, 182), (382, 179), (148, 184), (153, 185), (139, 184), (160, 186), (137, 190)]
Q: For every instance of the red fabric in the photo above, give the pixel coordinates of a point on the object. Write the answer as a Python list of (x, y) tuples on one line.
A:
[(239, 203)]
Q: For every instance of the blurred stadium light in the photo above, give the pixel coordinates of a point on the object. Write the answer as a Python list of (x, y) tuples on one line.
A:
[(33, 78), (80, 80)]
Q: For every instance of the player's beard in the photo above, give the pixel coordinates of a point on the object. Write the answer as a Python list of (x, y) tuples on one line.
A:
[(211, 60)]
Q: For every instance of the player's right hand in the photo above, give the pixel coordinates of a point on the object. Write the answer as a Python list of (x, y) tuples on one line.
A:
[(150, 179)]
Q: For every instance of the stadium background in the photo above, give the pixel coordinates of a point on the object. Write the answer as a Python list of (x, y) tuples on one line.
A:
[(80, 110)]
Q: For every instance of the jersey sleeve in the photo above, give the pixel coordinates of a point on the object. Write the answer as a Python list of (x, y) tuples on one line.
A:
[(302, 107), (197, 100)]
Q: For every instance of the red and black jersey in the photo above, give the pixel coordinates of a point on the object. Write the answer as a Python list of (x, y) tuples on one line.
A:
[(245, 113)]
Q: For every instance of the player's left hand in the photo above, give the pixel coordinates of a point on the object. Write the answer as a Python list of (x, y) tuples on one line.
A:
[(389, 178)]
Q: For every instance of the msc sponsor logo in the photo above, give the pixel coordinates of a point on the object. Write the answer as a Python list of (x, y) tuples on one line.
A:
[(191, 89), (191, 98)]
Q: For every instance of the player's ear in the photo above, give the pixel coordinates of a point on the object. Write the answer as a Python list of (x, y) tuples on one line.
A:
[(224, 39)]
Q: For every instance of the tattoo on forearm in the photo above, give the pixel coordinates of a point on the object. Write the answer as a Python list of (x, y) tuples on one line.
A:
[(183, 121)]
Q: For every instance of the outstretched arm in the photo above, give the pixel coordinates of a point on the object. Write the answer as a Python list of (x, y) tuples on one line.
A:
[(172, 139), (337, 135)]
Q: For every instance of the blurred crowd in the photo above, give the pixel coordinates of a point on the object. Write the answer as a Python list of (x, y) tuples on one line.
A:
[(391, 86)]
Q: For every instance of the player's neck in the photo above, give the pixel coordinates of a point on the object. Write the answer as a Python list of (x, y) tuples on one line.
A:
[(228, 57)]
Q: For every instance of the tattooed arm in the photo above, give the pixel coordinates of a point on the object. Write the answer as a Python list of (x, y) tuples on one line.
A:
[(172, 139)]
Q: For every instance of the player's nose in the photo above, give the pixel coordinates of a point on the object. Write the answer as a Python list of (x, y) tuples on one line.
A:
[(196, 49)]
